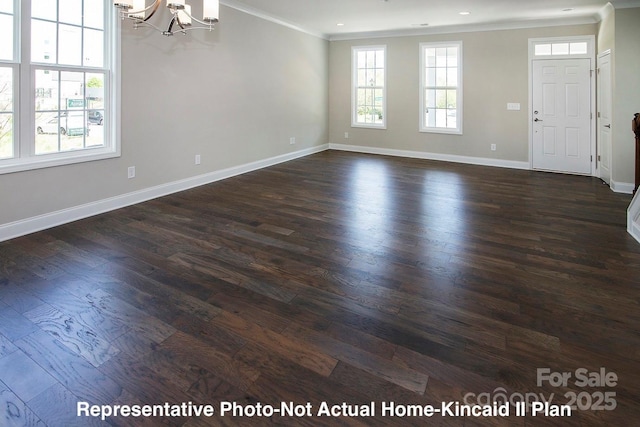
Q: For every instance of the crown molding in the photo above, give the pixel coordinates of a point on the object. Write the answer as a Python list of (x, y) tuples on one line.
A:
[(450, 29), (605, 11), (625, 4), (237, 5), (472, 28)]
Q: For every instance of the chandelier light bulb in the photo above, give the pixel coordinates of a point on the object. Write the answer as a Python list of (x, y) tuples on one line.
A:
[(181, 18)]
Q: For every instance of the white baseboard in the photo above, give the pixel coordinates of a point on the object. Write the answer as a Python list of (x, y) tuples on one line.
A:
[(511, 164), (622, 187), (53, 219), (633, 217)]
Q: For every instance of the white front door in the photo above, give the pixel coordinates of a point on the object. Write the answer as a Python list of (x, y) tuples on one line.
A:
[(562, 115), (604, 117)]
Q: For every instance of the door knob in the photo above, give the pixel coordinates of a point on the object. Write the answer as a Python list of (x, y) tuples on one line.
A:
[(607, 126), (537, 120)]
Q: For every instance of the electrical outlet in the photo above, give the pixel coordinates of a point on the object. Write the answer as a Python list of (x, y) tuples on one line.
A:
[(493, 147), (198, 159), (131, 172), (346, 135), (292, 140)]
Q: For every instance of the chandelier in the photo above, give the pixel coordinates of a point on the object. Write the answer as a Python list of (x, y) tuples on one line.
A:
[(181, 19)]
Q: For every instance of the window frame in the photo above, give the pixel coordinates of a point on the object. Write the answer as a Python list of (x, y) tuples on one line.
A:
[(354, 87), (24, 135), (459, 88)]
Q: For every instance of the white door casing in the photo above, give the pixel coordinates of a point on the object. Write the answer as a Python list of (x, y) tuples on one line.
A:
[(561, 114), (604, 116)]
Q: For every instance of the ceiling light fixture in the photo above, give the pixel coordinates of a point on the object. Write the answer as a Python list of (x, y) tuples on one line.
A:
[(138, 12), (465, 13)]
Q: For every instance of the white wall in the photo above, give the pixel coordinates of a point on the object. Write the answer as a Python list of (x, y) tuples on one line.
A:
[(234, 96), (495, 73)]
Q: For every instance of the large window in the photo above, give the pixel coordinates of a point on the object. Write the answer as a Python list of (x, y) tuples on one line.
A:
[(57, 91), (369, 87), (441, 87)]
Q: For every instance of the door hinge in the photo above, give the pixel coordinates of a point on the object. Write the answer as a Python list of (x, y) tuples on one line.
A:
[(599, 158), (591, 116), (591, 159), (599, 114)]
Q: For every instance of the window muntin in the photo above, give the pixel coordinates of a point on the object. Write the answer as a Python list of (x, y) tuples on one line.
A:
[(441, 87), (369, 87), (64, 75)]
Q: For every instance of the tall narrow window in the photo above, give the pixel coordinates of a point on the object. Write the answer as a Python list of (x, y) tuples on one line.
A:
[(369, 87), (441, 87)]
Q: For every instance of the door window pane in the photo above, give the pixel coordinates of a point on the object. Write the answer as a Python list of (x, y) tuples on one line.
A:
[(560, 49), (578, 48), (543, 49)]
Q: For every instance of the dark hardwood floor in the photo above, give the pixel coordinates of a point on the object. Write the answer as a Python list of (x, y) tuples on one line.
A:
[(338, 278)]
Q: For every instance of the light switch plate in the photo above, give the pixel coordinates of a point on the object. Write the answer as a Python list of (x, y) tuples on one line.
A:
[(513, 106)]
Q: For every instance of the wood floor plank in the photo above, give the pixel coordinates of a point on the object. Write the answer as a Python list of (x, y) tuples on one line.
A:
[(292, 349), (14, 412), (78, 337), (68, 368), (23, 376), (56, 407)]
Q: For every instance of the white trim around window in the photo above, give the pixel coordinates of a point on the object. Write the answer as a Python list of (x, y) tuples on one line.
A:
[(441, 89), (25, 154), (369, 86)]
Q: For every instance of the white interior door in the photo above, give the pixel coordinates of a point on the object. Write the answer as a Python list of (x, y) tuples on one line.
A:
[(562, 115), (604, 116)]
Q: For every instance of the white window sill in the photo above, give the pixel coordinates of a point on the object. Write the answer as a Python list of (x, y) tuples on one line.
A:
[(47, 161)]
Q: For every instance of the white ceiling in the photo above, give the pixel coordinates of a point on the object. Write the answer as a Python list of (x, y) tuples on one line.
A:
[(322, 17)]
